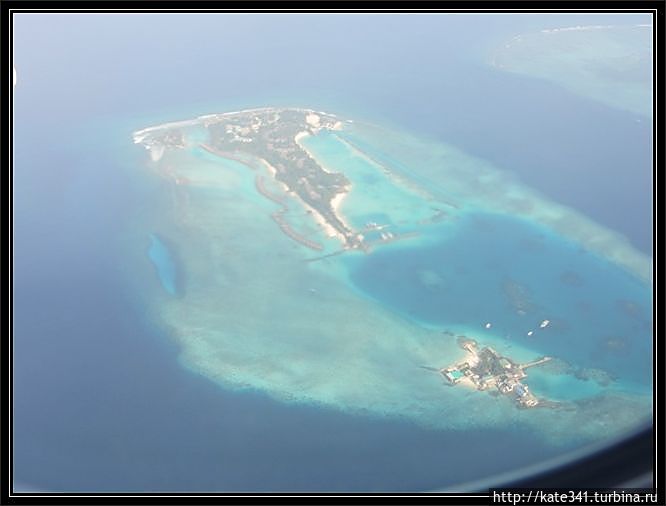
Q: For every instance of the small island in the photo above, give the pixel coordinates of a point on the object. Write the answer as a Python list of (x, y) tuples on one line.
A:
[(270, 138), (485, 369)]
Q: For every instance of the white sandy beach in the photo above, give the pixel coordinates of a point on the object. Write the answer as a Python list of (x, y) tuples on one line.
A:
[(299, 136), (335, 204)]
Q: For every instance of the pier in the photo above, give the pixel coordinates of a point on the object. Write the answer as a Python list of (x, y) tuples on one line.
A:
[(535, 362), (278, 217), (324, 257), (259, 185), (388, 238)]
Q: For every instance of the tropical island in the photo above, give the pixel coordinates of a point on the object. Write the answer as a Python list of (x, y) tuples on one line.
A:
[(270, 138), (485, 368)]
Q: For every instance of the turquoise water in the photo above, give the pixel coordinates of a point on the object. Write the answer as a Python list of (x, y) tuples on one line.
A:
[(502, 270), (377, 195), (353, 410), (164, 263), (561, 387)]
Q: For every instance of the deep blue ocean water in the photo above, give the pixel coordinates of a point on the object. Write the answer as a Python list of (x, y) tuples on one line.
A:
[(579, 293), (100, 401)]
